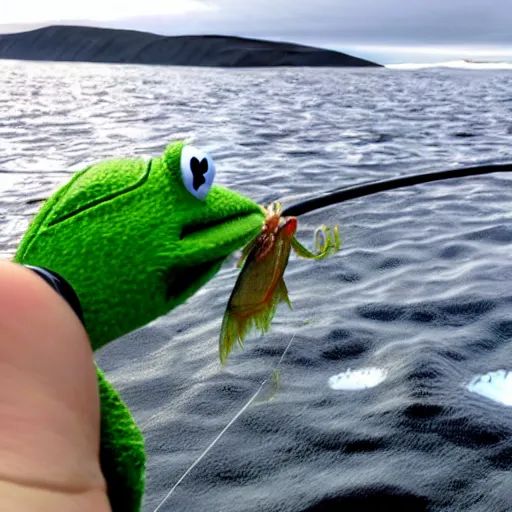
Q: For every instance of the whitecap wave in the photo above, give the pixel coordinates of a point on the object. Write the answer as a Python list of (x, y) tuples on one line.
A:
[(353, 380), (457, 64), (496, 386)]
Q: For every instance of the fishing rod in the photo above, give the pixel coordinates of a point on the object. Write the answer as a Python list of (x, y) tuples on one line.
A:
[(341, 195), (373, 187)]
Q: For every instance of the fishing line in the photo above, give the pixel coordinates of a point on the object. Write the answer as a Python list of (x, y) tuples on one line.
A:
[(285, 350), (224, 430), (373, 187)]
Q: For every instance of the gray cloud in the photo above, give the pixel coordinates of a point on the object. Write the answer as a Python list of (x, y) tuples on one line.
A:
[(348, 21)]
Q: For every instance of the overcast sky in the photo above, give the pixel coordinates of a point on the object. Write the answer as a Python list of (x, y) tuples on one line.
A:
[(385, 30)]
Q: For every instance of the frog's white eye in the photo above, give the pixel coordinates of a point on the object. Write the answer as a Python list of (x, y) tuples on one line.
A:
[(197, 171)]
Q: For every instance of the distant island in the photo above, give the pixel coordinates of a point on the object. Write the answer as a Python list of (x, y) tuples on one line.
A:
[(90, 44)]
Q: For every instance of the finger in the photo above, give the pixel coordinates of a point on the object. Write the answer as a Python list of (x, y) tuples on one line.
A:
[(49, 404)]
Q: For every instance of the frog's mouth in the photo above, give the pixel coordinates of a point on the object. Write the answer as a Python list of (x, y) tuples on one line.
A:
[(197, 227), (206, 245), (225, 231), (184, 281)]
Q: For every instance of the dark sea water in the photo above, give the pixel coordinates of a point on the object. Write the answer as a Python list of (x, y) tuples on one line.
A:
[(420, 291)]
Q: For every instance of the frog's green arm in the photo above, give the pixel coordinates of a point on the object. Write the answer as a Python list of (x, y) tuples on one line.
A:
[(134, 242), (122, 452)]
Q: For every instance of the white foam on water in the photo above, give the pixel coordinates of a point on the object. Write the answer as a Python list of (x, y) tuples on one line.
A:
[(495, 385), (8, 181), (457, 64), (354, 380)]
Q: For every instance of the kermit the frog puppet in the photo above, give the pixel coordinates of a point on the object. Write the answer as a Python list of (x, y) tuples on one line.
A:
[(134, 239)]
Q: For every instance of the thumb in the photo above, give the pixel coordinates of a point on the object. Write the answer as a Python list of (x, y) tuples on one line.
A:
[(49, 403)]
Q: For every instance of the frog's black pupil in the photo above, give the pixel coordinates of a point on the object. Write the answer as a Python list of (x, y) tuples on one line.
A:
[(199, 169)]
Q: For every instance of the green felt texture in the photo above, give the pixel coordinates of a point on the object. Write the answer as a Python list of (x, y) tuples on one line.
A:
[(114, 232), (122, 453)]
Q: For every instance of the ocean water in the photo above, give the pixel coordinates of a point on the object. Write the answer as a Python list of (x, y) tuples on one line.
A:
[(394, 387)]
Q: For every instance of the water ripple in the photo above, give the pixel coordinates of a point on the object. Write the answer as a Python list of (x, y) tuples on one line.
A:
[(412, 310)]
